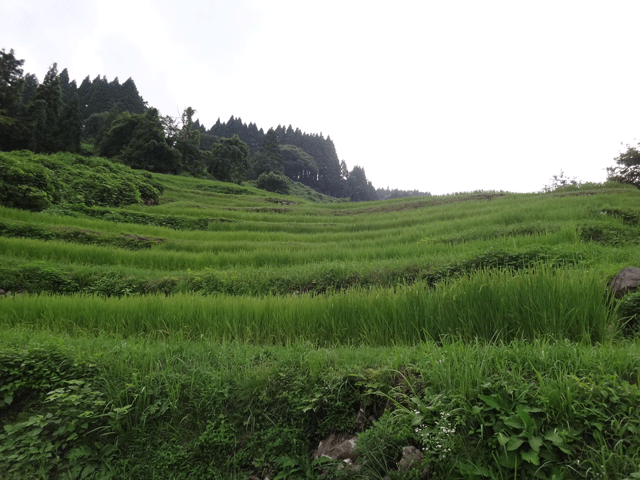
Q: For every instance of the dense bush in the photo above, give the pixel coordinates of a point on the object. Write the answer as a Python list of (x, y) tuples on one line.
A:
[(629, 311), (27, 184), (35, 182), (71, 433), (272, 182)]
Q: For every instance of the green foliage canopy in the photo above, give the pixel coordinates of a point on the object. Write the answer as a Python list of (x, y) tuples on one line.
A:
[(187, 143), (273, 182), (269, 157), (230, 159), (298, 165), (627, 169), (148, 149), (139, 142), (360, 189)]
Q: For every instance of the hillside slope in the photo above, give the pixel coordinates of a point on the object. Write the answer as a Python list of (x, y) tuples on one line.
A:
[(227, 330)]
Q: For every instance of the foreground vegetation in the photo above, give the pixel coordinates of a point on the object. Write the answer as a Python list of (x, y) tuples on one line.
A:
[(224, 331)]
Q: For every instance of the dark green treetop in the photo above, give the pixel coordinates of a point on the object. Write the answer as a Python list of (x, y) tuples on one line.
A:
[(187, 142), (13, 133), (298, 165), (44, 113), (119, 134), (269, 157), (229, 160), (360, 189), (148, 148), (627, 169), (70, 127)]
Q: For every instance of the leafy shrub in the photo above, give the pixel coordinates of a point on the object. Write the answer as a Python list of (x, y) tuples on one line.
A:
[(629, 310), (609, 234), (272, 182), (36, 277), (56, 425), (216, 445), (26, 184), (380, 447), (69, 439), (28, 374), (35, 182), (628, 217)]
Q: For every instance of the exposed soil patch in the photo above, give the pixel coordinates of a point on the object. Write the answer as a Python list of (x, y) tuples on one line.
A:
[(281, 201)]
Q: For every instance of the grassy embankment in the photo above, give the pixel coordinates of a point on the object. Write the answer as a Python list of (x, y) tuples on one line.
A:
[(231, 340)]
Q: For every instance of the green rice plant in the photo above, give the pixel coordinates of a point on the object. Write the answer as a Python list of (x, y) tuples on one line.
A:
[(493, 306), (124, 216), (76, 235)]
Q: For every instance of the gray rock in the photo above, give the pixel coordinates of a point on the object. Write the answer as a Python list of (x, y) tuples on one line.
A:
[(627, 280), (361, 420), (337, 446), (411, 458)]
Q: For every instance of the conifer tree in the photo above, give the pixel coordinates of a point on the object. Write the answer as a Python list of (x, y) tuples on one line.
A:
[(298, 165), (30, 86), (100, 98), (69, 88), (70, 127), (13, 131), (45, 113), (84, 94), (129, 98), (269, 157), (360, 189)]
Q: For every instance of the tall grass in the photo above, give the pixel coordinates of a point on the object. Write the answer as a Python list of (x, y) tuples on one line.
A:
[(488, 305)]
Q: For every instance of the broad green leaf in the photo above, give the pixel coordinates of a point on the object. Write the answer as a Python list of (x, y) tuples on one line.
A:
[(526, 418), (514, 422), (554, 437), (88, 470), (8, 399), (535, 443), (467, 469), (492, 400), (557, 440), (514, 443), (531, 457)]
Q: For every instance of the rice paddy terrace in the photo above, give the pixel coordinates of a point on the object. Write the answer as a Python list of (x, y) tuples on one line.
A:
[(226, 330)]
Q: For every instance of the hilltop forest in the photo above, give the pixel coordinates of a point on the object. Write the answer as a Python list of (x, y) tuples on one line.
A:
[(112, 120)]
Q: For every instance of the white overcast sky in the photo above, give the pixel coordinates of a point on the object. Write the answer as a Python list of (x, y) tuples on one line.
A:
[(440, 96)]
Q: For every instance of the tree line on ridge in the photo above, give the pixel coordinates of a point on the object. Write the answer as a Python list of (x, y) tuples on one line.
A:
[(111, 119)]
